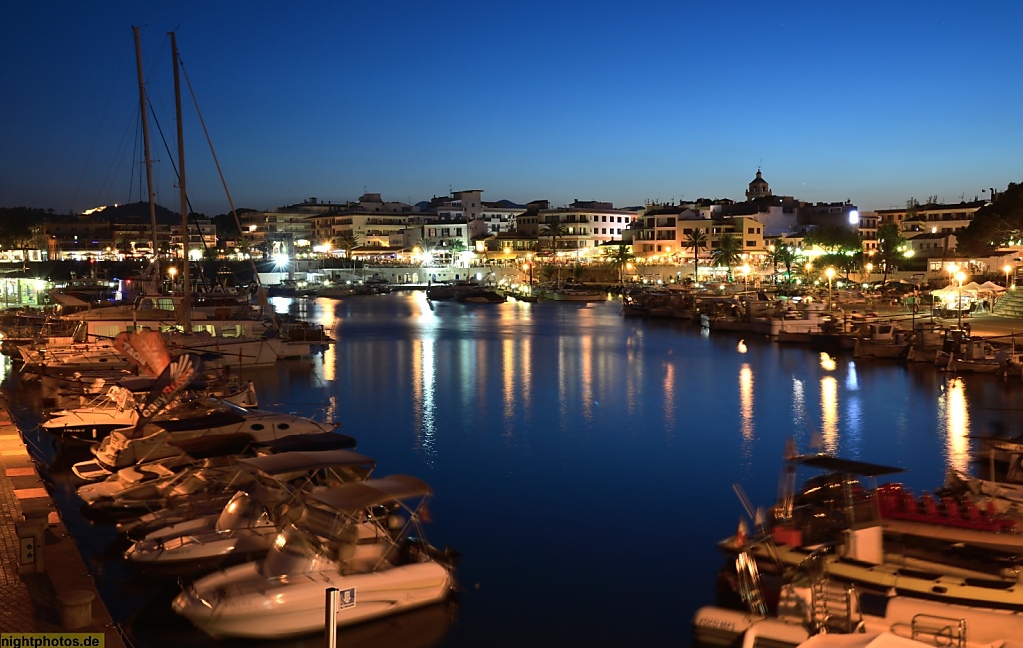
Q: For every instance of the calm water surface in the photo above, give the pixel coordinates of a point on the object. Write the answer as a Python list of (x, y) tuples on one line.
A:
[(582, 462)]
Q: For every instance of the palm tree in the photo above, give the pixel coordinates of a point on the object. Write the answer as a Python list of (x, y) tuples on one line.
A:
[(728, 252), (787, 257), (696, 241), (457, 247), (889, 242), (620, 259), (554, 230), (347, 241)]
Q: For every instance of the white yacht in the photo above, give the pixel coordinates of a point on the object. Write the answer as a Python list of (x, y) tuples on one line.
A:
[(373, 556), (201, 417)]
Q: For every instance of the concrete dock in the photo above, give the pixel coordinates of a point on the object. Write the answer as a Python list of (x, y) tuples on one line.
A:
[(44, 583)]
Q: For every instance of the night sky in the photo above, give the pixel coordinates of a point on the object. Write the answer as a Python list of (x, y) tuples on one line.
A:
[(873, 102)]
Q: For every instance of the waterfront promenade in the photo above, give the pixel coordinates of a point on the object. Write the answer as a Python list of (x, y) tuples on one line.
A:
[(58, 595)]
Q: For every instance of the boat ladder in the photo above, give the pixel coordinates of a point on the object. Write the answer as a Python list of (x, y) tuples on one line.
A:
[(749, 584), (833, 608)]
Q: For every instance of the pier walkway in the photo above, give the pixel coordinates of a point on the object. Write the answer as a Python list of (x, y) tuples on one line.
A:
[(48, 588)]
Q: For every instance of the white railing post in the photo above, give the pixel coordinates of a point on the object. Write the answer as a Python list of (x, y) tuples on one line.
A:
[(331, 617)]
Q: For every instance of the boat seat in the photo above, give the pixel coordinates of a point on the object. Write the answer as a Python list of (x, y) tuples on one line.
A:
[(910, 505), (929, 505), (989, 509), (972, 513), (951, 507)]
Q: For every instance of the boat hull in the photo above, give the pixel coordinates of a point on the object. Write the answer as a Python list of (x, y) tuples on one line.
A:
[(901, 576), (241, 602)]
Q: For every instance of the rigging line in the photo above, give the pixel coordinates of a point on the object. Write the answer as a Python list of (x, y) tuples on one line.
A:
[(263, 301), (92, 147), (163, 138)]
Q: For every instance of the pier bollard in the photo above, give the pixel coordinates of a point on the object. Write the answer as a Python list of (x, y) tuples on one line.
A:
[(31, 532), (75, 608)]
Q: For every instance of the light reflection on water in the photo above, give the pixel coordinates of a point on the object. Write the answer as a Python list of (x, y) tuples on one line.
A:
[(547, 429), (954, 423)]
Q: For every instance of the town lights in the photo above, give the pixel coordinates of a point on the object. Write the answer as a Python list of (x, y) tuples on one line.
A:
[(830, 273), (959, 306)]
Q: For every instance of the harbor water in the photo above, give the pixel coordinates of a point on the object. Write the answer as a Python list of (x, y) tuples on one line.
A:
[(582, 462)]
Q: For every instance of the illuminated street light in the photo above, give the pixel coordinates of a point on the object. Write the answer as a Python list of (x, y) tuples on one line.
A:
[(745, 274), (959, 277), (1007, 269), (830, 273)]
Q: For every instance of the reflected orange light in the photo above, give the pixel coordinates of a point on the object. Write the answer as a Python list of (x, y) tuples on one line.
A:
[(829, 413), (746, 402), (953, 406)]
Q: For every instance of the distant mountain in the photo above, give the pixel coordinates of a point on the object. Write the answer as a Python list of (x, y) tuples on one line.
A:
[(138, 212)]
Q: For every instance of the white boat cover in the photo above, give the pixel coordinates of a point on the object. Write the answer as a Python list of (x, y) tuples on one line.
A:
[(288, 462), (360, 495)]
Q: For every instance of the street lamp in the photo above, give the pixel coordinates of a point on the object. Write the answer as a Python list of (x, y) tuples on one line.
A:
[(959, 306), (1007, 269), (745, 275), (830, 273)]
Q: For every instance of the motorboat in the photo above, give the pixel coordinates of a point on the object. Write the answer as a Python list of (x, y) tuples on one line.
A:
[(864, 539), (206, 417), (69, 358), (365, 548), (576, 294), (812, 611), (118, 408), (192, 509), (880, 340), (247, 525), (799, 322), (172, 481)]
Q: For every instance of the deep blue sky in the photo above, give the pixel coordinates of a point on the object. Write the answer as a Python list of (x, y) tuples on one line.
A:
[(873, 102)]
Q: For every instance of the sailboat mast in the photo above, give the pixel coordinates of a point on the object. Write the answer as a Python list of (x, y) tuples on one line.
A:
[(186, 305), (144, 114)]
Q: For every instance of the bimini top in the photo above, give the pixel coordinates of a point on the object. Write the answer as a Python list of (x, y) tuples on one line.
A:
[(291, 462), (360, 495), (851, 466)]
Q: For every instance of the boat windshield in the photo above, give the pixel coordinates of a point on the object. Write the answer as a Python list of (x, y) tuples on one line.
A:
[(292, 552), (241, 512)]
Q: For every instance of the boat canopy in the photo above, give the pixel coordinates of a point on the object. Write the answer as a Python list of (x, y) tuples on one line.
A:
[(291, 462), (851, 466), (360, 495)]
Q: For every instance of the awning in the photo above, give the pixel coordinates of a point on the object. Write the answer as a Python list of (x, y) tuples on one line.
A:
[(289, 462), (65, 299), (360, 495), (851, 466)]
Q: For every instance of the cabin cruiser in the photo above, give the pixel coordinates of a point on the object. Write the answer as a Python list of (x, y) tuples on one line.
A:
[(185, 510), (362, 546), (117, 408), (881, 340), (206, 417), (876, 540), (136, 490), (247, 525), (812, 611)]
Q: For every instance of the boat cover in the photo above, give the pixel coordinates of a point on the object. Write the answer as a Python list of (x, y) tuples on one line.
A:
[(297, 461), (360, 495), (851, 466)]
